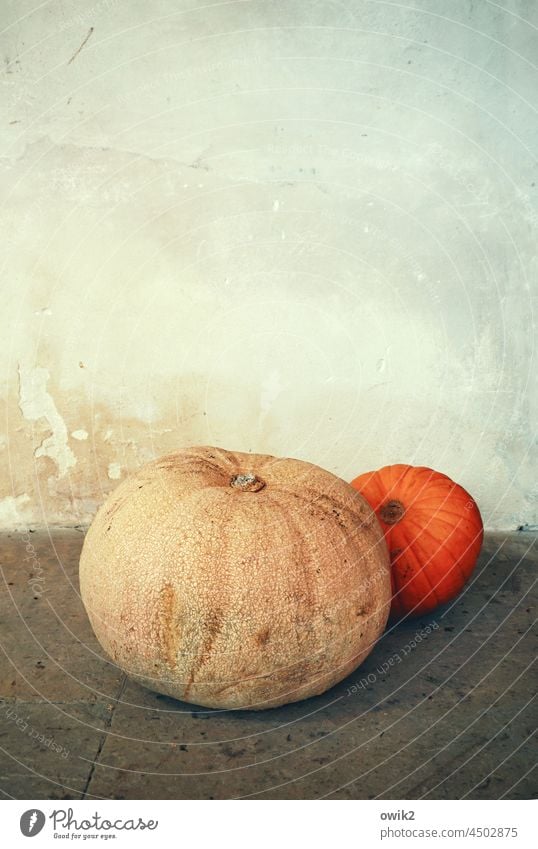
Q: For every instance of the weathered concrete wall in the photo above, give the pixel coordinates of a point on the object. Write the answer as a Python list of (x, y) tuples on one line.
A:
[(291, 227)]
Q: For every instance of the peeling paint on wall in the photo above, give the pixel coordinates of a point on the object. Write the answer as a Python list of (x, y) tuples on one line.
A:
[(35, 403), (114, 471), (10, 516)]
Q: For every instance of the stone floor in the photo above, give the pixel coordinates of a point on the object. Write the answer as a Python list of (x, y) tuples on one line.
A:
[(445, 714)]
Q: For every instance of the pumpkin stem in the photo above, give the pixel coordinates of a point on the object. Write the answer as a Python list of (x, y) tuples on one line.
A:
[(247, 483), (392, 512)]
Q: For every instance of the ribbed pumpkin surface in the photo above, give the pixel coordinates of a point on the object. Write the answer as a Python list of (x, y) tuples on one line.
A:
[(236, 580), (433, 530)]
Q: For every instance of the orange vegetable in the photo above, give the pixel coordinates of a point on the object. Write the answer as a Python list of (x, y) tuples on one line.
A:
[(433, 530)]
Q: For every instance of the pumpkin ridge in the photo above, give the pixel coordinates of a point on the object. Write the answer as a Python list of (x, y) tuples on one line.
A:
[(421, 571), (227, 458), (406, 488), (420, 530), (166, 618), (297, 527), (393, 484), (214, 621), (443, 549), (435, 504), (409, 482), (454, 513), (375, 500), (440, 492), (423, 494), (432, 475), (321, 501), (459, 528), (213, 625), (296, 530), (436, 519)]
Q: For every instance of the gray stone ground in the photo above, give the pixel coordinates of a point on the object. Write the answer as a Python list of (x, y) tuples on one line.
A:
[(452, 716)]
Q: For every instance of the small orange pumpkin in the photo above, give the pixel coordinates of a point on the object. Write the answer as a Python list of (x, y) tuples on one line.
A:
[(433, 530)]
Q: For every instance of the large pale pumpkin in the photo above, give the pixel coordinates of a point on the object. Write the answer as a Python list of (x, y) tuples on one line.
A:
[(236, 580), (433, 530)]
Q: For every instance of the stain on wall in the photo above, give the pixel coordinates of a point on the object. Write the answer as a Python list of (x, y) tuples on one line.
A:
[(285, 228)]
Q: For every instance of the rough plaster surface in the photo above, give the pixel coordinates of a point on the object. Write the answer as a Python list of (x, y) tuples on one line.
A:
[(301, 228)]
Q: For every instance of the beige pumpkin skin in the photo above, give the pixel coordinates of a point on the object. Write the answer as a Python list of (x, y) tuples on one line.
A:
[(236, 580)]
